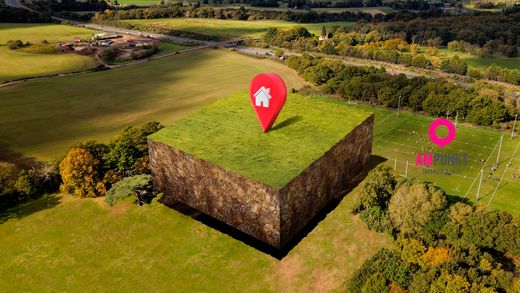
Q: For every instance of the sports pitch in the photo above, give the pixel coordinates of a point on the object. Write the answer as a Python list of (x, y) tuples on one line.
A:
[(400, 139)]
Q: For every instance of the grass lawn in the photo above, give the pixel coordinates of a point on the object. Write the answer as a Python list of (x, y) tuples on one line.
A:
[(59, 242), (42, 118), (16, 64), (165, 48), (228, 134), (231, 28), (479, 62), (402, 138)]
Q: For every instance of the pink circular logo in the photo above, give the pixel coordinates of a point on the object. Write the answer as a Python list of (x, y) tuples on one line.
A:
[(442, 142)]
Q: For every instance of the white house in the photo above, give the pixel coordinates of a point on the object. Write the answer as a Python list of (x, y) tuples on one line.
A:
[(262, 97)]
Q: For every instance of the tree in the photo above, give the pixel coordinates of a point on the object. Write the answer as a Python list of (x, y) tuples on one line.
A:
[(450, 283), (378, 188), (414, 204), (78, 173), (129, 146), (8, 178)]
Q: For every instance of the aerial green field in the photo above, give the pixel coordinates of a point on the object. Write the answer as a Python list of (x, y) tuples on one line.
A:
[(42, 118), (227, 134), (399, 140), (230, 28), (15, 64), (479, 62), (59, 242), (283, 6)]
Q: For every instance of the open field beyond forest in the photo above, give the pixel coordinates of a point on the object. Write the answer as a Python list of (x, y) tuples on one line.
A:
[(283, 6), (231, 28), (479, 62), (42, 118), (16, 64)]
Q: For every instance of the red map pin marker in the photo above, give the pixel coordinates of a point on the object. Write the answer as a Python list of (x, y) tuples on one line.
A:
[(267, 94)]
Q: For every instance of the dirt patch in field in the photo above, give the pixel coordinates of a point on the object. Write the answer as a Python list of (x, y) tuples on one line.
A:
[(120, 208), (287, 271), (323, 281)]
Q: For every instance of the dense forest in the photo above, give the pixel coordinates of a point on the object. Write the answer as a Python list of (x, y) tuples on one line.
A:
[(440, 246), (482, 30), (19, 15)]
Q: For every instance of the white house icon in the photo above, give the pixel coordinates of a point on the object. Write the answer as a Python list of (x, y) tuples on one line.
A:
[(262, 97)]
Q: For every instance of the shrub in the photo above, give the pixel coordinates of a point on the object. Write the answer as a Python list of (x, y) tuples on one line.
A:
[(8, 178), (25, 184), (385, 263), (376, 219), (44, 177), (139, 186), (16, 44), (78, 173)]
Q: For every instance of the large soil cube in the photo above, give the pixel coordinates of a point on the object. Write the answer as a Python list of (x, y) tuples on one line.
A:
[(268, 185)]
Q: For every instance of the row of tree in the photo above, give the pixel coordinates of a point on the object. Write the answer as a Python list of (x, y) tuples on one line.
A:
[(194, 11), (439, 247), (89, 169), (476, 29), (373, 45), (480, 104), (20, 15)]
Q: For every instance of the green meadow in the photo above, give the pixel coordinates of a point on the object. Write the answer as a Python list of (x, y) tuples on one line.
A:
[(479, 62), (42, 118), (227, 134), (58, 242), (230, 28), (20, 63)]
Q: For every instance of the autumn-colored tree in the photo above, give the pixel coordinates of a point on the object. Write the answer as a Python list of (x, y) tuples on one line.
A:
[(78, 173), (435, 256), (410, 249), (450, 283)]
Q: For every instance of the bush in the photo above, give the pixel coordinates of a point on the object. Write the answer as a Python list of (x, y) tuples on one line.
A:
[(25, 184), (140, 186), (388, 266), (16, 44), (78, 172), (8, 178), (45, 177), (376, 219)]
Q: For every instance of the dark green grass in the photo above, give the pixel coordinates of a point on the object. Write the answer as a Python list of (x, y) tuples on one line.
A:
[(402, 138), (43, 118), (228, 134)]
